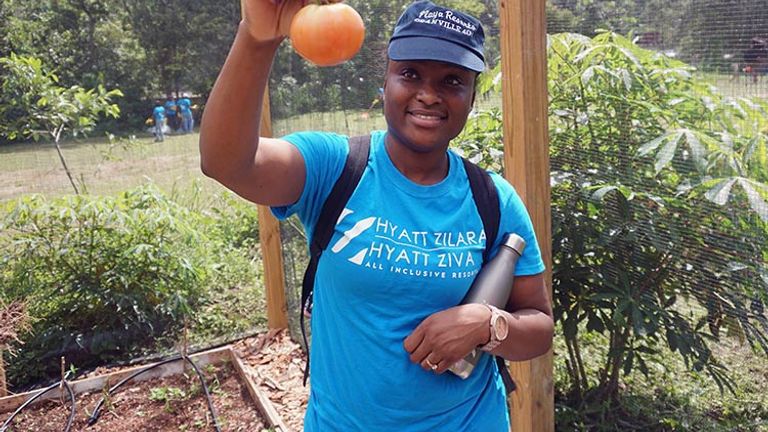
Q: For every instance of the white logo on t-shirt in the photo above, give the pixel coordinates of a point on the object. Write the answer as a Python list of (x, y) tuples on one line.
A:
[(398, 249)]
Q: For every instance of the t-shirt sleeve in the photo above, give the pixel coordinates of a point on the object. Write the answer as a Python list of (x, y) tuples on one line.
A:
[(515, 219), (324, 157)]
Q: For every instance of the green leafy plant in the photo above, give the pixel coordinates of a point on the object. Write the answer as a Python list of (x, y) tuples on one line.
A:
[(646, 253), (167, 395)]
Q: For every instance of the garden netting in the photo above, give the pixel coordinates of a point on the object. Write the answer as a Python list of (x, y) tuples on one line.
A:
[(658, 147)]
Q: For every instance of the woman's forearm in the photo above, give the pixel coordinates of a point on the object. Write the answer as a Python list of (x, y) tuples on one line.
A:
[(530, 335), (229, 131)]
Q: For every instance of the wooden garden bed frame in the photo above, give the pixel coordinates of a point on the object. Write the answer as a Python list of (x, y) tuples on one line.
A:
[(216, 356), (526, 159)]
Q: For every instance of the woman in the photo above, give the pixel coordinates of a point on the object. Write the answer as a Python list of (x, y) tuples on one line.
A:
[(385, 325)]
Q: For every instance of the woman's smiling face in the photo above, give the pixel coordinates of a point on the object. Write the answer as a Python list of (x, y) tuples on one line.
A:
[(426, 103)]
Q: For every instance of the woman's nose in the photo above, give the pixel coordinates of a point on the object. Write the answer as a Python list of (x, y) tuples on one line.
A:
[(428, 95)]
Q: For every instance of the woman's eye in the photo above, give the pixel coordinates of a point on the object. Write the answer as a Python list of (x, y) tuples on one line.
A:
[(409, 73)]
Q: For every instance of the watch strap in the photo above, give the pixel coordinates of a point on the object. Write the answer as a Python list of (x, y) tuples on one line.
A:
[(493, 341)]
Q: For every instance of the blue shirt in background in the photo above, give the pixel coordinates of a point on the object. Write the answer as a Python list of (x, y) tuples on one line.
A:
[(158, 114), (170, 108), (185, 106)]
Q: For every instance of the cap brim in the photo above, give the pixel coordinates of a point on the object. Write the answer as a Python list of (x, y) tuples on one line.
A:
[(427, 48)]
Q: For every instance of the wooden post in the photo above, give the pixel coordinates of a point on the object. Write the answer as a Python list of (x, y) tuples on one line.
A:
[(272, 250), (271, 246), (526, 161), (3, 383)]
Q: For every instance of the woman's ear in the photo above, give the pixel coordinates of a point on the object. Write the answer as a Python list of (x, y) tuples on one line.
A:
[(474, 90)]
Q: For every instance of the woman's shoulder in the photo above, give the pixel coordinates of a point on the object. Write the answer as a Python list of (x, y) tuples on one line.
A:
[(501, 183), (330, 139), (508, 196)]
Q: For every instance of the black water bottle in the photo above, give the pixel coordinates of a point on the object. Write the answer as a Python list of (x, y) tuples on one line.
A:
[(492, 286)]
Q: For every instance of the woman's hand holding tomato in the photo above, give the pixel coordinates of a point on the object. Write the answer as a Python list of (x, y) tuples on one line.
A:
[(270, 20), (326, 34)]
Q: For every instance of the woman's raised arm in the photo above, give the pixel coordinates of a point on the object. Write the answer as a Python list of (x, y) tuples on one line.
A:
[(265, 171)]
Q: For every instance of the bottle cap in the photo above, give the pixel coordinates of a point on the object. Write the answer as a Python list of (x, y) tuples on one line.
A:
[(514, 242)]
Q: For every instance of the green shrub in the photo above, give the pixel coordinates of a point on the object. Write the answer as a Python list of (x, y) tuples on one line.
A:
[(236, 222), (105, 277), (645, 250)]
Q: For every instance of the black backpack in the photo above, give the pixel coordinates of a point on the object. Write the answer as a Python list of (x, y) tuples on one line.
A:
[(483, 192)]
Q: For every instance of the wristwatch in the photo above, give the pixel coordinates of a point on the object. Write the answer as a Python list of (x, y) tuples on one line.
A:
[(499, 329)]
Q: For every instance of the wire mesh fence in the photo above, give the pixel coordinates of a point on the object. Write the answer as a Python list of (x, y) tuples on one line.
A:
[(657, 124)]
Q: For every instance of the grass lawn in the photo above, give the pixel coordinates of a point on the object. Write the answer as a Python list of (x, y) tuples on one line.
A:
[(101, 167), (173, 165), (738, 86)]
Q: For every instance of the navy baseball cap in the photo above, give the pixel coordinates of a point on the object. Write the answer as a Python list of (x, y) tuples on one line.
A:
[(426, 31)]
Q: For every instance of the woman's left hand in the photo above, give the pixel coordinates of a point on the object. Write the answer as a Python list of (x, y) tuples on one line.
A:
[(447, 336)]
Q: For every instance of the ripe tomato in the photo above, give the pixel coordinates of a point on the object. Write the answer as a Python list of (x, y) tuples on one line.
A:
[(327, 35)]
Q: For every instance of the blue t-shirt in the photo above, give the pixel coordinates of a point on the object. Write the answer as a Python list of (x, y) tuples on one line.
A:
[(400, 252), (170, 108), (158, 113), (185, 106)]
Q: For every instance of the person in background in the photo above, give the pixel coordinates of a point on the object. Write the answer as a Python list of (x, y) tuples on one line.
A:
[(158, 117), (171, 112), (386, 321), (756, 59), (187, 120)]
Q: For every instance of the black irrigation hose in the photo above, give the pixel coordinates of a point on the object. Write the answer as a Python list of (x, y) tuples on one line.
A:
[(95, 415), (35, 397), (212, 344)]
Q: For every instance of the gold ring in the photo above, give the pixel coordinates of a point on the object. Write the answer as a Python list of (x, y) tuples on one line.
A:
[(429, 363)]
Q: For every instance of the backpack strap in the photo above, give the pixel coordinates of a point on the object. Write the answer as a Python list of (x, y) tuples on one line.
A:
[(357, 160), (487, 202)]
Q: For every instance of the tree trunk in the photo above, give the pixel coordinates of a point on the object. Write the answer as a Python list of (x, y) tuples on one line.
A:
[(580, 365), (343, 108), (64, 162), (570, 364)]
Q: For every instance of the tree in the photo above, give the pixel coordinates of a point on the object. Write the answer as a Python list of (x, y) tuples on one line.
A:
[(33, 105), (144, 48)]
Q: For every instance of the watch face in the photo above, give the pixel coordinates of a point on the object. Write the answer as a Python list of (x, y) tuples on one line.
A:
[(500, 327)]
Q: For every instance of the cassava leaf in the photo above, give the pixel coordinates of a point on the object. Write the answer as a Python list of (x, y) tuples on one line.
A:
[(756, 202), (664, 157), (719, 193), (698, 152), (651, 145)]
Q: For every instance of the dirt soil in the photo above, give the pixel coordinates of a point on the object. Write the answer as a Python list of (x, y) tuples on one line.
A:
[(177, 403)]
